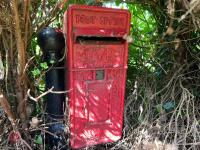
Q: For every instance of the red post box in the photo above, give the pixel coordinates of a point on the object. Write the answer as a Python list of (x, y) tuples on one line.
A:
[(97, 63)]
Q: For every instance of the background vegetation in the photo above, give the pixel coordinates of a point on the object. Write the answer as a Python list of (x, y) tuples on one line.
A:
[(162, 98)]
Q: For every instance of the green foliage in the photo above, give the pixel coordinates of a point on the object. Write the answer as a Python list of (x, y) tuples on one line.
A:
[(144, 34), (118, 2), (36, 72), (38, 139), (168, 106), (143, 30), (44, 65)]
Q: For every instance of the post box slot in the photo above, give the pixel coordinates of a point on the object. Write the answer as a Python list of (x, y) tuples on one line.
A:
[(99, 40)]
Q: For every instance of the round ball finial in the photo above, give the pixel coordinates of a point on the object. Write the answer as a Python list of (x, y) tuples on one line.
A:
[(52, 43), (51, 39)]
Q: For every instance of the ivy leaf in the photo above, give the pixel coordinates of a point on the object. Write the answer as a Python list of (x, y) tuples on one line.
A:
[(36, 72), (168, 106), (38, 139), (44, 65), (159, 108), (117, 2)]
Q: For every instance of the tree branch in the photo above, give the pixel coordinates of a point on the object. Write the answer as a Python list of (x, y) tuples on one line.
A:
[(45, 93), (6, 106), (18, 36)]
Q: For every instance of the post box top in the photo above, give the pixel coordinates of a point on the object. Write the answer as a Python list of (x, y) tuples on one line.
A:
[(98, 21)]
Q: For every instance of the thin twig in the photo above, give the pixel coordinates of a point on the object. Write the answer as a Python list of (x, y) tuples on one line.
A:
[(45, 93)]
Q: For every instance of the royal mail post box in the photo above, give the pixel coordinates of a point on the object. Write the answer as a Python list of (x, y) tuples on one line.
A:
[(97, 63)]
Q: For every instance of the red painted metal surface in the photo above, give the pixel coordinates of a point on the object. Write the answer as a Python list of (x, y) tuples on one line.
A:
[(97, 63)]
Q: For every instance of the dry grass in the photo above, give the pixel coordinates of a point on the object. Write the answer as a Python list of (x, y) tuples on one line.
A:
[(146, 128)]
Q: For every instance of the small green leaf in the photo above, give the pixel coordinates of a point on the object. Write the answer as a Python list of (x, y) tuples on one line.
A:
[(198, 47), (44, 65), (42, 86), (159, 108), (38, 139), (117, 2), (37, 50), (52, 61), (140, 118), (36, 72), (168, 106)]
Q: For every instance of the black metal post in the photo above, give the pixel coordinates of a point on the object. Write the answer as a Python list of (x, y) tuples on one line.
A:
[(52, 43)]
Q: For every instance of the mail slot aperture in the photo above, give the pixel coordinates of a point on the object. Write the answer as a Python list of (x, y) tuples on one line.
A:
[(99, 40)]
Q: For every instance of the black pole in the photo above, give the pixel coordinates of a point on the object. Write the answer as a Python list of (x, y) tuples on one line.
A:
[(52, 43)]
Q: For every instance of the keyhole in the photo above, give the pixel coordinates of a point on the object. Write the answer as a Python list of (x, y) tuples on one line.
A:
[(99, 74)]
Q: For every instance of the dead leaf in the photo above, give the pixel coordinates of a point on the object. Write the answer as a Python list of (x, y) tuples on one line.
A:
[(128, 38), (170, 7), (169, 31), (34, 122), (177, 42), (6, 106)]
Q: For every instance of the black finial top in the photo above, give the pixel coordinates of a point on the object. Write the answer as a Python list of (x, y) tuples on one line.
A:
[(51, 39), (52, 42)]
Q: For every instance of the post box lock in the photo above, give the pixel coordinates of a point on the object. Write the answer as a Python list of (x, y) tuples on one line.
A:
[(99, 74)]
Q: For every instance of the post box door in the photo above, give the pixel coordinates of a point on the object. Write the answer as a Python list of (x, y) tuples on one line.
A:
[(98, 89), (98, 102), (98, 112)]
